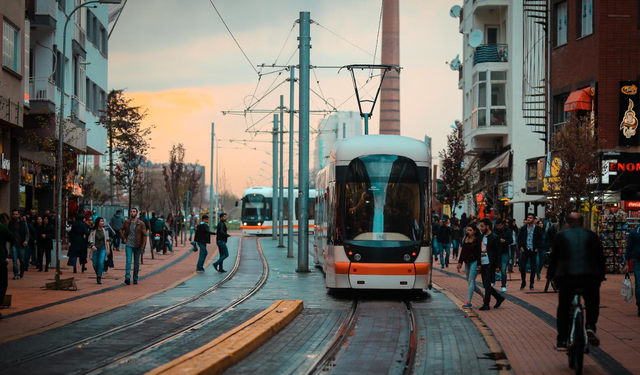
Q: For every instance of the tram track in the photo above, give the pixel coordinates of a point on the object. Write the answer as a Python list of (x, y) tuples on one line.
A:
[(329, 360), (160, 314), (136, 353)]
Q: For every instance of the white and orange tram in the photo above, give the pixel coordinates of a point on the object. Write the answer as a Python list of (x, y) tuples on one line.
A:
[(256, 215), (373, 214)]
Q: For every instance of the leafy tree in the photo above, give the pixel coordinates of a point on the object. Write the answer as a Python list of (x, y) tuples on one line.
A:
[(174, 174), (456, 184), (96, 186)]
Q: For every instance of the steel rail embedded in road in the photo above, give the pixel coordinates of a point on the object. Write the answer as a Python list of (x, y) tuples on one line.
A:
[(137, 322), (326, 363), (136, 353)]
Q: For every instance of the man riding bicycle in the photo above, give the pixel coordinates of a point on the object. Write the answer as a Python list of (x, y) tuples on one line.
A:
[(577, 262)]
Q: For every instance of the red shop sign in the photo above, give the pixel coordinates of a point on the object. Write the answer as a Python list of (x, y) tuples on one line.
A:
[(631, 205)]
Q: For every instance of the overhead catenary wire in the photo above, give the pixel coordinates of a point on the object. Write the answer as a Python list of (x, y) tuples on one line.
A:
[(234, 38), (375, 50), (344, 39)]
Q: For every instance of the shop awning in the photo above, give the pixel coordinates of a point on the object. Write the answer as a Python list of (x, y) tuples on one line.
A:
[(530, 199), (578, 101), (501, 161)]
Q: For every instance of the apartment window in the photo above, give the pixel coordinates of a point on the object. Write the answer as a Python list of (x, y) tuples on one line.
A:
[(87, 89), (498, 111), (62, 4), (586, 18), (104, 159), (559, 115), (90, 159), (561, 23), (11, 50)]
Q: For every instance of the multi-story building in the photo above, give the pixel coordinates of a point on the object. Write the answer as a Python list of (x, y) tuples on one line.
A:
[(13, 96), (497, 140), (84, 63), (595, 74), (339, 125)]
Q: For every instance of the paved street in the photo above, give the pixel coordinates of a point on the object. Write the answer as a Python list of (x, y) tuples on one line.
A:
[(322, 338)]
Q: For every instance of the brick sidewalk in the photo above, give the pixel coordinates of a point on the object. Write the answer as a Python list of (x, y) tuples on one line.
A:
[(34, 310), (525, 327)]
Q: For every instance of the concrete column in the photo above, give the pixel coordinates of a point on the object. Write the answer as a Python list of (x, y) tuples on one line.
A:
[(390, 91)]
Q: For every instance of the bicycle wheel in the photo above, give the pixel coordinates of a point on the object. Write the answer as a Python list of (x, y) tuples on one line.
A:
[(579, 342)]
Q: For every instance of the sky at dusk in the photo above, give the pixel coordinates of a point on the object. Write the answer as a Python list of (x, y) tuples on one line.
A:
[(176, 59)]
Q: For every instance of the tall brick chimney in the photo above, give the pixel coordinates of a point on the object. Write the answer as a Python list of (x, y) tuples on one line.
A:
[(390, 91)]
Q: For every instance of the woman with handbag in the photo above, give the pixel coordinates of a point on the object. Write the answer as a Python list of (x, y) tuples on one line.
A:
[(99, 245), (470, 255)]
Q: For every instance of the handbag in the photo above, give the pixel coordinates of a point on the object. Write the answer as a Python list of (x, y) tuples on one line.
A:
[(627, 289)]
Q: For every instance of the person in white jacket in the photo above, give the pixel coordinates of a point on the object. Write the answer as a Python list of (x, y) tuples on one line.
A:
[(99, 244)]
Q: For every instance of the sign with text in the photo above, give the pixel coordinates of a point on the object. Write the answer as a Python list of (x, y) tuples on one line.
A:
[(632, 205), (629, 102)]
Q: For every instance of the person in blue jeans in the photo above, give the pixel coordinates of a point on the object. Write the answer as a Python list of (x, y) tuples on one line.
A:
[(221, 240), (134, 236), (632, 253), (202, 238), (445, 234), (19, 247), (99, 245), (470, 255), (505, 239)]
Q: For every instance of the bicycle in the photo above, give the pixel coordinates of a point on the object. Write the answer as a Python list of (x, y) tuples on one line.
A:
[(578, 343)]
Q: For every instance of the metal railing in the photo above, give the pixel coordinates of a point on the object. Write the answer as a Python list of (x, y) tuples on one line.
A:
[(78, 108), (42, 89), (79, 35), (46, 7), (491, 53)]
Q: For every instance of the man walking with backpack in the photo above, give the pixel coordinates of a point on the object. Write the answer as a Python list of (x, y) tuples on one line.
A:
[(134, 236), (116, 224)]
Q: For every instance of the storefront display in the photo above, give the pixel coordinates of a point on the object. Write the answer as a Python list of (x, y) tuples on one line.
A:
[(613, 228)]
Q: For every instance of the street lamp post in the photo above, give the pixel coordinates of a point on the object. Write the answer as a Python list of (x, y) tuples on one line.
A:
[(59, 168)]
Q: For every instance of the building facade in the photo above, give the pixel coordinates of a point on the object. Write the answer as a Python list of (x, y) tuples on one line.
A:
[(84, 62), (13, 97), (595, 74), (497, 139), (339, 125)]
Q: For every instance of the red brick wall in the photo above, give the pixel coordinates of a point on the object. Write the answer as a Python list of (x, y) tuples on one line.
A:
[(610, 55)]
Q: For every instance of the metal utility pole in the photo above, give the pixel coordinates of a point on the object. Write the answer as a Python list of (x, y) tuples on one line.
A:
[(292, 79), (274, 169), (281, 187), (303, 164), (211, 212), (217, 191)]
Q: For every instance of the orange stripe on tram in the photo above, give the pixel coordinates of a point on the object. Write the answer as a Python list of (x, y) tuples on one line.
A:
[(422, 268), (382, 269)]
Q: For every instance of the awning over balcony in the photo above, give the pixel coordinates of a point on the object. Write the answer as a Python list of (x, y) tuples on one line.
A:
[(578, 101), (501, 161)]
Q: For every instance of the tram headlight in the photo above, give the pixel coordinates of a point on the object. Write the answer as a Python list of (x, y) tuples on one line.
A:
[(259, 224), (357, 257), (245, 224), (407, 257)]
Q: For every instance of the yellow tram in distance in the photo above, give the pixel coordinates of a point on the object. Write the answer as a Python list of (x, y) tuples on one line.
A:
[(373, 213)]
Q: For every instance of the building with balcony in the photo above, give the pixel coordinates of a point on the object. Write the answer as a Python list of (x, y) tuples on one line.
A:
[(497, 140), (85, 83), (14, 97)]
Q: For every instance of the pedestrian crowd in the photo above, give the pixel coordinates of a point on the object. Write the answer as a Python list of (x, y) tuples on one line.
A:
[(27, 240), (573, 255)]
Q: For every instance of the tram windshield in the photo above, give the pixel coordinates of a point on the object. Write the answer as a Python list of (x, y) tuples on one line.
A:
[(382, 199), (255, 207)]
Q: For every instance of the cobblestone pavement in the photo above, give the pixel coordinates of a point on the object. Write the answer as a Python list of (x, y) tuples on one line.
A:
[(525, 327)]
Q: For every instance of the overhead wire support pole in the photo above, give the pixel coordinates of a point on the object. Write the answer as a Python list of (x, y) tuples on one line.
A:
[(281, 187), (211, 202), (274, 169), (292, 79), (303, 144)]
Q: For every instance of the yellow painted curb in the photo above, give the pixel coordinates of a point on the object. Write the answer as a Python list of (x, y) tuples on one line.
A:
[(496, 349), (233, 346)]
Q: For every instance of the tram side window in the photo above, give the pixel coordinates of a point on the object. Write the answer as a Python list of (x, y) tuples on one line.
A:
[(310, 208)]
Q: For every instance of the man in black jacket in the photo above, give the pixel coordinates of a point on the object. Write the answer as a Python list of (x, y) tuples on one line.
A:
[(577, 262), (489, 264), (529, 242), (505, 239), (221, 241), (202, 238)]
